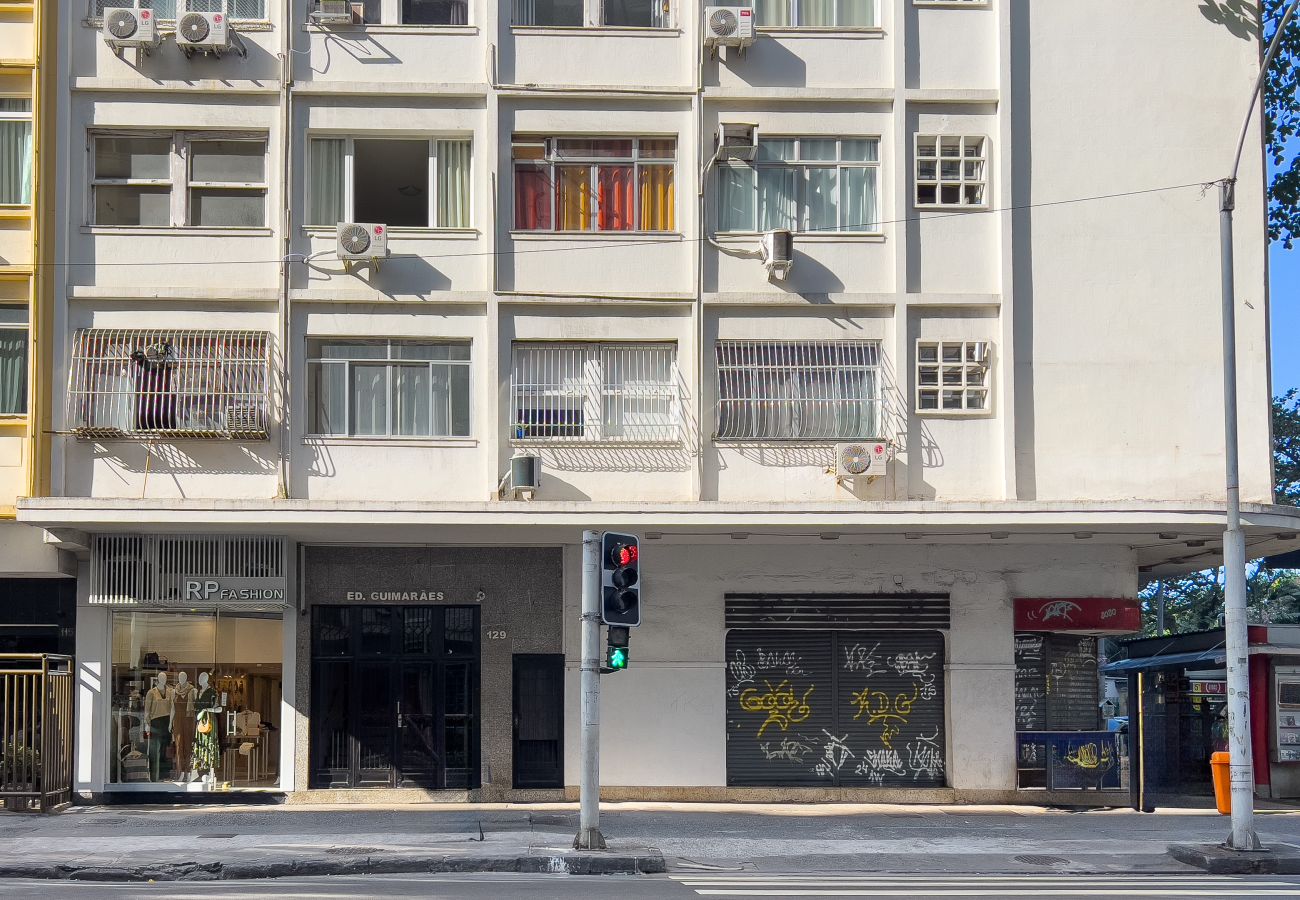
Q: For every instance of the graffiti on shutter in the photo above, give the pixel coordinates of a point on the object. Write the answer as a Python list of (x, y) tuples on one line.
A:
[(1031, 692)]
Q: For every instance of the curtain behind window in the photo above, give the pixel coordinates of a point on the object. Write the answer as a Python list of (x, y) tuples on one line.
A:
[(453, 184), (657, 198), (817, 13), (326, 190), (13, 371), (772, 13), (15, 153)]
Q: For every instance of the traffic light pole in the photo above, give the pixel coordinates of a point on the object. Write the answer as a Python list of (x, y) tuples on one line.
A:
[(589, 836)]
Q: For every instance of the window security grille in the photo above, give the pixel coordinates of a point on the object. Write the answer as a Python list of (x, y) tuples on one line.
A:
[(952, 376), (179, 384), (130, 569), (595, 393), (951, 170), (799, 390), (166, 9)]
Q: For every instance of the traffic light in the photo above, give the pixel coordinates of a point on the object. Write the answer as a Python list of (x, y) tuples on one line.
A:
[(616, 656), (620, 561)]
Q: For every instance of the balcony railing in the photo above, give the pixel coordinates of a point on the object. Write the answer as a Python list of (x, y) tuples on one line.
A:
[(36, 722)]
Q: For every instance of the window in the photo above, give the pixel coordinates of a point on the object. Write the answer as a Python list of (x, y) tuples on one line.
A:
[(15, 151), (166, 9), (608, 393), (798, 390), (594, 184), (576, 13), (388, 388), (185, 179), (401, 183), (409, 12), (951, 170), (804, 185), (201, 384), (952, 376), (13, 360), (813, 13)]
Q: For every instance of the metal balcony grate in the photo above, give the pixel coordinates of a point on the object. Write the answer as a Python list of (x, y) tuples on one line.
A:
[(179, 570), (180, 384), (595, 393), (798, 390)]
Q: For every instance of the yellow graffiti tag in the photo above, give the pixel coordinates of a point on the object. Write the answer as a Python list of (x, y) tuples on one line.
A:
[(881, 709), (1087, 756), (782, 707)]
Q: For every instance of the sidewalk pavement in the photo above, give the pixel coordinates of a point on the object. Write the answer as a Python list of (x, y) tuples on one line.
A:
[(188, 842)]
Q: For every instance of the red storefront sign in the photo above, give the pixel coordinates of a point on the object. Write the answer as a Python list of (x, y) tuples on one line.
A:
[(1095, 615)]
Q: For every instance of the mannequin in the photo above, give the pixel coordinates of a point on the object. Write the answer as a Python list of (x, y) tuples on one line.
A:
[(207, 749), (183, 724), (158, 713)]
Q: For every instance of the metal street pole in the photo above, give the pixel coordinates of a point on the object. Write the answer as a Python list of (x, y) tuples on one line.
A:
[(1243, 835), (589, 836)]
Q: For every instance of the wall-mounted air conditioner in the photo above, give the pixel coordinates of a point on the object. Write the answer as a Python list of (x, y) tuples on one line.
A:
[(778, 253), (728, 26), (208, 32), (861, 459), (130, 29), (737, 140), (358, 242), (337, 12)]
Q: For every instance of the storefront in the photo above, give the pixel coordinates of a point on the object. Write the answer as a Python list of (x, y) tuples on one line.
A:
[(194, 633), (836, 690), (439, 669)]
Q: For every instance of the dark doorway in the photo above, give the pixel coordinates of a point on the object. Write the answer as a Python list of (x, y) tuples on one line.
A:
[(539, 720), (38, 615), (395, 696)]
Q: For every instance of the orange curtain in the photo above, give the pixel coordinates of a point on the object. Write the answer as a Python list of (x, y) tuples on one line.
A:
[(617, 199), (573, 198), (657, 198)]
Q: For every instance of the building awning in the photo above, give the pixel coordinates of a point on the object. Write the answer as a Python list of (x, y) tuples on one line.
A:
[(1213, 656)]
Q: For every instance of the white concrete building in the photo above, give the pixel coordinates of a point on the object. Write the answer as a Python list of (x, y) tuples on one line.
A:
[(283, 475)]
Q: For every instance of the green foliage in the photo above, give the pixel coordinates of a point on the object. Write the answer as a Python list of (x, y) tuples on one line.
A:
[(1286, 447), (1282, 121), (1195, 602)]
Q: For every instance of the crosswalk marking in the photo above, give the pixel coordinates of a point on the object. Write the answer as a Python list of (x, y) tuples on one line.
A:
[(1028, 885)]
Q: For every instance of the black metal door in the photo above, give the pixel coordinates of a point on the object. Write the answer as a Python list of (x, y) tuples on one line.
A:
[(539, 721), (395, 699)]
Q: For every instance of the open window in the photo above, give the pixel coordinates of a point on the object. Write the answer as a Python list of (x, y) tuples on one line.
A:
[(399, 182)]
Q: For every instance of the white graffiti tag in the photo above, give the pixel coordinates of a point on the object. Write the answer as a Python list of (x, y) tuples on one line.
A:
[(925, 757), (785, 660), (835, 753), (741, 671), (789, 749), (859, 659), (877, 763)]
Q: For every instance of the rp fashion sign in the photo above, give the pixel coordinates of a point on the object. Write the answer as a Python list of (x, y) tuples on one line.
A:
[(1090, 615)]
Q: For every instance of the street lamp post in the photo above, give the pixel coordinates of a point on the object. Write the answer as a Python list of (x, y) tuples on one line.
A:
[(1243, 835)]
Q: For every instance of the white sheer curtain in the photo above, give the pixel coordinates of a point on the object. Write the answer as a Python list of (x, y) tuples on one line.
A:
[(772, 13), (15, 151), (453, 184), (736, 198), (817, 13), (325, 193)]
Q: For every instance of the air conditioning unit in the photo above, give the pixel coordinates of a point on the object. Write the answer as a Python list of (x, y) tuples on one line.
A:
[(337, 12), (525, 475), (738, 140), (245, 419), (728, 26), (361, 243), (859, 459), (208, 32), (778, 253), (130, 29)]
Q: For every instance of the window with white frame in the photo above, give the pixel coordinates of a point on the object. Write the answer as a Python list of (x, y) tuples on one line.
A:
[(803, 184), (398, 182), (951, 170), (169, 383), (15, 151), (167, 9), (952, 376), (950, 2), (388, 388), (407, 12), (798, 390), (813, 13), (594, 184), (194, 179), (14, 341), (577, 13), (605, 393)]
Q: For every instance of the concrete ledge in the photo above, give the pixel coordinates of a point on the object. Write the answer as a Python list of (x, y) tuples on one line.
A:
[(640, 861), (1215, 859)]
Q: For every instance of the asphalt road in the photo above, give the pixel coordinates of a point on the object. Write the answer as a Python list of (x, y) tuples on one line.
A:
[(674, 887)]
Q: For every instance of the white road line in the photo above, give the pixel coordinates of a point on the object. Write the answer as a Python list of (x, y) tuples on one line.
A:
[(1000, 892), (984, 881)]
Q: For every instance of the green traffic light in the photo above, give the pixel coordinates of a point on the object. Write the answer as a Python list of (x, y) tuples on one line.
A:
[(617, 658)]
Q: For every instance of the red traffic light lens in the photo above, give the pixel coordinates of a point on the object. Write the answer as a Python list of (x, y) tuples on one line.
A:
[(624, 554)]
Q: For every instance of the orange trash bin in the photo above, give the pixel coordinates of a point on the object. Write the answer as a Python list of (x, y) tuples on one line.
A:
[(1221, 775)]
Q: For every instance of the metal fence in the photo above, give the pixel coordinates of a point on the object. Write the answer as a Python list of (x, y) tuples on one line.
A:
[(36, 722)]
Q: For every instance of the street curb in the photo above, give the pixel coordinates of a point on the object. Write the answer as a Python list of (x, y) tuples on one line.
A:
[(641, 862), (1218, 860)]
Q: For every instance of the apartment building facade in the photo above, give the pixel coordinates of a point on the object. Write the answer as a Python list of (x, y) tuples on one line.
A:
[(986, 374), (37, 586)]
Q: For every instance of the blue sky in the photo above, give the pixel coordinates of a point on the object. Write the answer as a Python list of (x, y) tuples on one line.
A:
[(1284, 274)]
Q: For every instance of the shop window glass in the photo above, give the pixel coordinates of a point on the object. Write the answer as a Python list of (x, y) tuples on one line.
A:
[(195, 698)]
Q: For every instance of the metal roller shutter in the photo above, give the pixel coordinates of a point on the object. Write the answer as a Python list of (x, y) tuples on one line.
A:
[(1056, 682), (851, 708)]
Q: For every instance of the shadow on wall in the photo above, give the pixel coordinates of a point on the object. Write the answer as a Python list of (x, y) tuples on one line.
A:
[(190, 457), (399, 274), (363, 48), (666, 458), (765, 64), (1242, 19), (319, 461)]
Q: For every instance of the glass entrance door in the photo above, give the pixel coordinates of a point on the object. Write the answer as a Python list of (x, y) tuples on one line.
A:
[(395, 696)]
